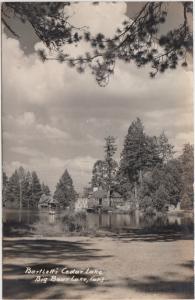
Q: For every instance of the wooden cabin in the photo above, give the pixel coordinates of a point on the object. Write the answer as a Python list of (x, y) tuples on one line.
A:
[(44, 200), (52, 204), (99, 199), (47, 202)]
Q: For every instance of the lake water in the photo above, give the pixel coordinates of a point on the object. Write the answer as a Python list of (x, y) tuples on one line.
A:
[(40, 222)]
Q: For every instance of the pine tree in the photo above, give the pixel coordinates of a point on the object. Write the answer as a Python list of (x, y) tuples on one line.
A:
[(4, 187), (27, 190), (104, 171), (65, 194), (151, 153), (12, 194), (111, 165), (22, 186), (165, 148), (140, 152), (5, 179), (36, 190), (173, 180), (45, 189), (132, 156)]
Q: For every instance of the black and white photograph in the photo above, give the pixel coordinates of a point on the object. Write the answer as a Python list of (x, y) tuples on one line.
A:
[(97, 150)]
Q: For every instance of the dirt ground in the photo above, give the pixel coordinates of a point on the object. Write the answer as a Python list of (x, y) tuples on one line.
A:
[(123, 267)]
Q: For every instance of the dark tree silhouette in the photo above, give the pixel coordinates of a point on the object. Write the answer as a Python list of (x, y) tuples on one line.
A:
[(65, 193), (136, 40), (12, 194), (36, 190), (140, 152), (110, 149), (4, 186)]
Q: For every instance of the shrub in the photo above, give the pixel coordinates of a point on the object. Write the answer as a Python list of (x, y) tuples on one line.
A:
[(75, 221)]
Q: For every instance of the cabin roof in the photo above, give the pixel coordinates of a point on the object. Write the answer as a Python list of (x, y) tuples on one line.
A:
[(52, 201), (116, 195), (44, 199)]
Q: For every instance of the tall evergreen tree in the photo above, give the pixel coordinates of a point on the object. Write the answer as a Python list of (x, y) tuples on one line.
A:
[(165, 148), (65, 194), (4, 187), (12, 193), (132, 156), (5, 179), (27, 190), (36, 190), (45, 189), (140, 152), (104, 171), (22, 186), (111, 165)]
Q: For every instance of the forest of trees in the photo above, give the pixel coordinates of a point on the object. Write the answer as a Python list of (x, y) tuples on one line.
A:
[(148, 172), (23, 189)]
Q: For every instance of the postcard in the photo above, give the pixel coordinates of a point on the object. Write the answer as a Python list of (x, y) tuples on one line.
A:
[(97, 150)]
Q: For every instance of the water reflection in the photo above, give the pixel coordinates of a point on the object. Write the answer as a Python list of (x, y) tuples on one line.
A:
[(52, 218), (108, 221)]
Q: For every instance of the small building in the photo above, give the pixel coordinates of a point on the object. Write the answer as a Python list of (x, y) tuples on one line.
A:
[(47, 202), (43, 202), (98, 199), (53, 204), (81, 204), (172, 207), (116, 199)]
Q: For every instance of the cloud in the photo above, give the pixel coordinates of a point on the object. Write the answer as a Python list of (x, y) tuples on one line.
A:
[(51, 132), (79, 167), (105, 17), (55, 118), (27, 151), (28, 118), (27, 123)]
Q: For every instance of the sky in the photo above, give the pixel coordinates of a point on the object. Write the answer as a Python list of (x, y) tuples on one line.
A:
[(55, 119)]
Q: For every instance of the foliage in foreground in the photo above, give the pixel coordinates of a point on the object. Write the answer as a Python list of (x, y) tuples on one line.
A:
[(137, 40)]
